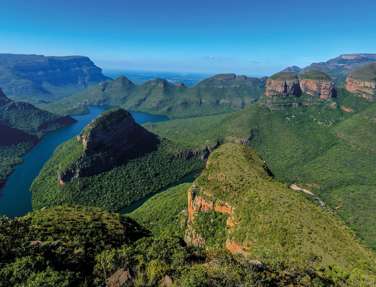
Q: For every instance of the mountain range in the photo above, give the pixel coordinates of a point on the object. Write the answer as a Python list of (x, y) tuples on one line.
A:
[(259, 182), (218, 94)]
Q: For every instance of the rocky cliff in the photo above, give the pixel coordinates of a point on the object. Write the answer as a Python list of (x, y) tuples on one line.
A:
[(317, 84), (37, 77), (362, 82), (284, 88), (110, 140), (283, 84)]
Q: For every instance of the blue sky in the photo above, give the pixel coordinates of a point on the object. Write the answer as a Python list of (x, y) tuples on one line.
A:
[(242, 36)]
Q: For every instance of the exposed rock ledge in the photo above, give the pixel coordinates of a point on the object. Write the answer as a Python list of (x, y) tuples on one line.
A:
[(365, 89), (196, 204), (323, 89)]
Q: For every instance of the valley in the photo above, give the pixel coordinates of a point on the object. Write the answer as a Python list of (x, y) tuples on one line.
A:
[(270, 179)]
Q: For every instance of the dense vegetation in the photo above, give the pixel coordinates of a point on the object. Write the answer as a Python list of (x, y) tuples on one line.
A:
[(77, 246), (116, 188), (21, 125), (320, 146), (271, 222), (222, 93), (58, 247), (165, 212)]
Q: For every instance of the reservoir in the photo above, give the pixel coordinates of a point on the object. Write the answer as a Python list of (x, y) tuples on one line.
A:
[(15, 197)]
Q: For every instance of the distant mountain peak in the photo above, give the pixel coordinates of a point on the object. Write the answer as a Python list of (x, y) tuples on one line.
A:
[(293, 69)]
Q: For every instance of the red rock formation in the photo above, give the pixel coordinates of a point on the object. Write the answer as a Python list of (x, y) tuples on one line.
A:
[(323, 89), (282, 87), (196, 204), (363, 88), (235, 248)]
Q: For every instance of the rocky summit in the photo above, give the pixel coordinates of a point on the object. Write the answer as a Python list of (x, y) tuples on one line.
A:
[(110, 140), (362, 81), (283, 84)]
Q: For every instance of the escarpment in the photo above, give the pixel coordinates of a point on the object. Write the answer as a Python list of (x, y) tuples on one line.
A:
[(236, 205), (362, 82), (108, 141)]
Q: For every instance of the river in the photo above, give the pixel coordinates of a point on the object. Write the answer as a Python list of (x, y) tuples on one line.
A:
[(15, 197)]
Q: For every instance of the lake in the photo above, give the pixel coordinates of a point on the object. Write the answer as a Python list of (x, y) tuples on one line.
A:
[(15, 197)]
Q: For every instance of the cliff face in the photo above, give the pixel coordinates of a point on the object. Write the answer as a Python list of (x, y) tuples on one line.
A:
[(290, 84), (323, 89), (365, 89), (362, 82), (33, 77), (283, 84), (107, 142)]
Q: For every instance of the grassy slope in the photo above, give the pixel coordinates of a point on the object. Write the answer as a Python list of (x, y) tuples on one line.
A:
[(164, 212), (114, 189), (276, 223), (302, 145)]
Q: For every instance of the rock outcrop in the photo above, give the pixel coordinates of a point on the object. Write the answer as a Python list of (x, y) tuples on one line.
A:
[(362, 82), (197, 204), (110, 140), (285, 88), (317, 84), (283, 84)]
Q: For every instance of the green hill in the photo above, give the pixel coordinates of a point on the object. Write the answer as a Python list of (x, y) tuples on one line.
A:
[(21, 126), (321, 147), (221, 93), (58, 247), (266, 220), (113, 163)]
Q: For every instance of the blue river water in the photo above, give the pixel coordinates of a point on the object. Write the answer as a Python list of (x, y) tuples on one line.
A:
[(15, 196)]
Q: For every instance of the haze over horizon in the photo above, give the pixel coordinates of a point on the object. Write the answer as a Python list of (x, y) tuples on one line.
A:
[(190, 36)]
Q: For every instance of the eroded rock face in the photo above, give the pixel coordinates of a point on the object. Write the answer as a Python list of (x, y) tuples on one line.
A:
[(323, 89), (363, 88), (197, 204), (110, 140), (283, 84)]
